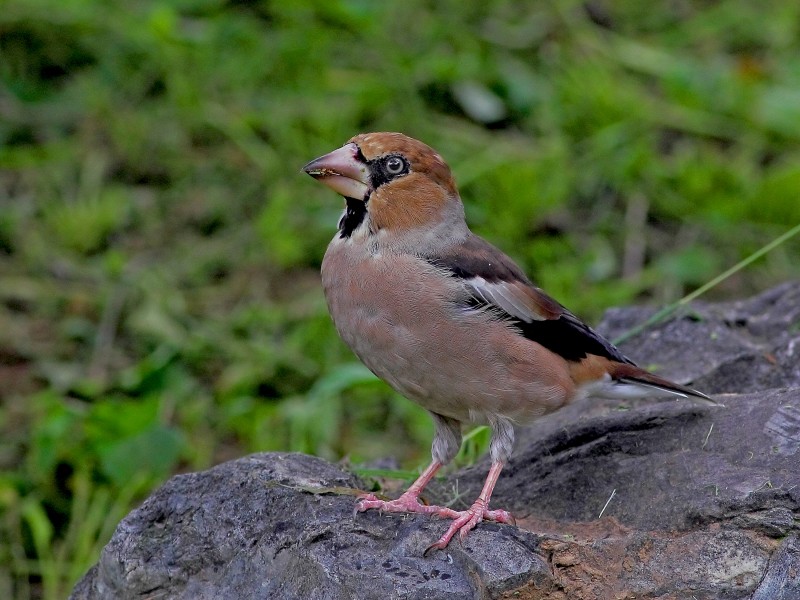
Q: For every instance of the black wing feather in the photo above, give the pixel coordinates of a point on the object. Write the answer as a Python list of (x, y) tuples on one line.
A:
[(561, 332)]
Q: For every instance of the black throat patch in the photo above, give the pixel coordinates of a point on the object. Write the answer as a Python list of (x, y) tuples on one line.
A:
[(353, 216)]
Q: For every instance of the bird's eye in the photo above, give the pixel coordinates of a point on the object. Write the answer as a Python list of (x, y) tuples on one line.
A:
[(395, 165)]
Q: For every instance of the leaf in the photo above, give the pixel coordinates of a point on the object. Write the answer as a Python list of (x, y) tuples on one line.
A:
[(779, 110), (340, 379), (39, 524), (154, 452), (479, 102)]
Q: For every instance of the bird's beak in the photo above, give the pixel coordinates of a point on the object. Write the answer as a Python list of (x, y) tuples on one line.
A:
[(342, 171)]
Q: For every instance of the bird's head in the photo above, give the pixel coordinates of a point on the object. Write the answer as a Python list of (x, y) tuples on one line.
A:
[(397, 182)]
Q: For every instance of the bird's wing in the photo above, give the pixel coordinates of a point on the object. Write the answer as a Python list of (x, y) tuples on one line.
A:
[(497, 283)]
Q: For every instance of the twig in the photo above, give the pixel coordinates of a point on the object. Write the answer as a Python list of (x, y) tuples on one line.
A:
[(708, 435), (607, 503), (106, 333), (635, 243)]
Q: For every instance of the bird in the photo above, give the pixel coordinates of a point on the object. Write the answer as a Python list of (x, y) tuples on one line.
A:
[(450, 321)]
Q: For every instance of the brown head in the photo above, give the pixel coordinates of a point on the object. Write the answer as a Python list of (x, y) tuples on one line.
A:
[(400, 183)]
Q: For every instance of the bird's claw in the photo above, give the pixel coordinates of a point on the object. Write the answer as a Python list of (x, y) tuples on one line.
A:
[(365, 502), (407, 503), (466, 520)]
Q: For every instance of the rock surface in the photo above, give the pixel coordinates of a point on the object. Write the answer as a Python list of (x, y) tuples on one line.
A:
[(696, 502)]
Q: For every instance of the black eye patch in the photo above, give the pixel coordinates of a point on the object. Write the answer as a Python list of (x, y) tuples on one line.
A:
[(384, 169)]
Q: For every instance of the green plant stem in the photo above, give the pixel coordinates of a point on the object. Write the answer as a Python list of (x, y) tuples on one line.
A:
[(671, 308)]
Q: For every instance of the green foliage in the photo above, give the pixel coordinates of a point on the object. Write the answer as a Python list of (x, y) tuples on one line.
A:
[(160, 308)]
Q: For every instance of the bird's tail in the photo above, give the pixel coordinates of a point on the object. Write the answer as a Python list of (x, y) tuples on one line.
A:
[(630, 375)]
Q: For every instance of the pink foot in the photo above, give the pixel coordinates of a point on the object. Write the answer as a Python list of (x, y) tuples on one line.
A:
[(407, 503), (466, 520)]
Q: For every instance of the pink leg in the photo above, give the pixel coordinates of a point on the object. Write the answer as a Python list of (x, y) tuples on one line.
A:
[(409, 501), (466, 520)]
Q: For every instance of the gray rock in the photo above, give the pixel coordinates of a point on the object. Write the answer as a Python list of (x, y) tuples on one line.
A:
[(782, 579), (282, 526), (696, 501), (736, 347)]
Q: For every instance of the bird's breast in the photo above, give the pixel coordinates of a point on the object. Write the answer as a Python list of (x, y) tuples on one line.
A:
[(409, 324)]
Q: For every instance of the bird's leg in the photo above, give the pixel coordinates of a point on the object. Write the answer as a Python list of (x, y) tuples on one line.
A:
[(500, 449), (409, 501), (446, 443), (466, 520)]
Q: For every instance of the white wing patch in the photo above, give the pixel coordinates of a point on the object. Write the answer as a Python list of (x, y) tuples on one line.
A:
[(507, 296)]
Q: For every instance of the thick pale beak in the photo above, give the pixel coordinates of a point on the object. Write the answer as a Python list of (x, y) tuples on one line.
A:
[(342, 171)]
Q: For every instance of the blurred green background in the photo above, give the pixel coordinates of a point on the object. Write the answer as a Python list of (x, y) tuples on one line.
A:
[(160, 306)]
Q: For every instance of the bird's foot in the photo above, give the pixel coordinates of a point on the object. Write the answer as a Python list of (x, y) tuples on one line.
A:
[(407, 503), (466, 520)]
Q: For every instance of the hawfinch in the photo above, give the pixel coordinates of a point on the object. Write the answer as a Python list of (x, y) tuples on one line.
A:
[(447, 319)]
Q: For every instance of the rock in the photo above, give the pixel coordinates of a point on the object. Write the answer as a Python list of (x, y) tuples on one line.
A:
[(696, 501), (782, 579), (282, 526), (731, 347), (694, 506)]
